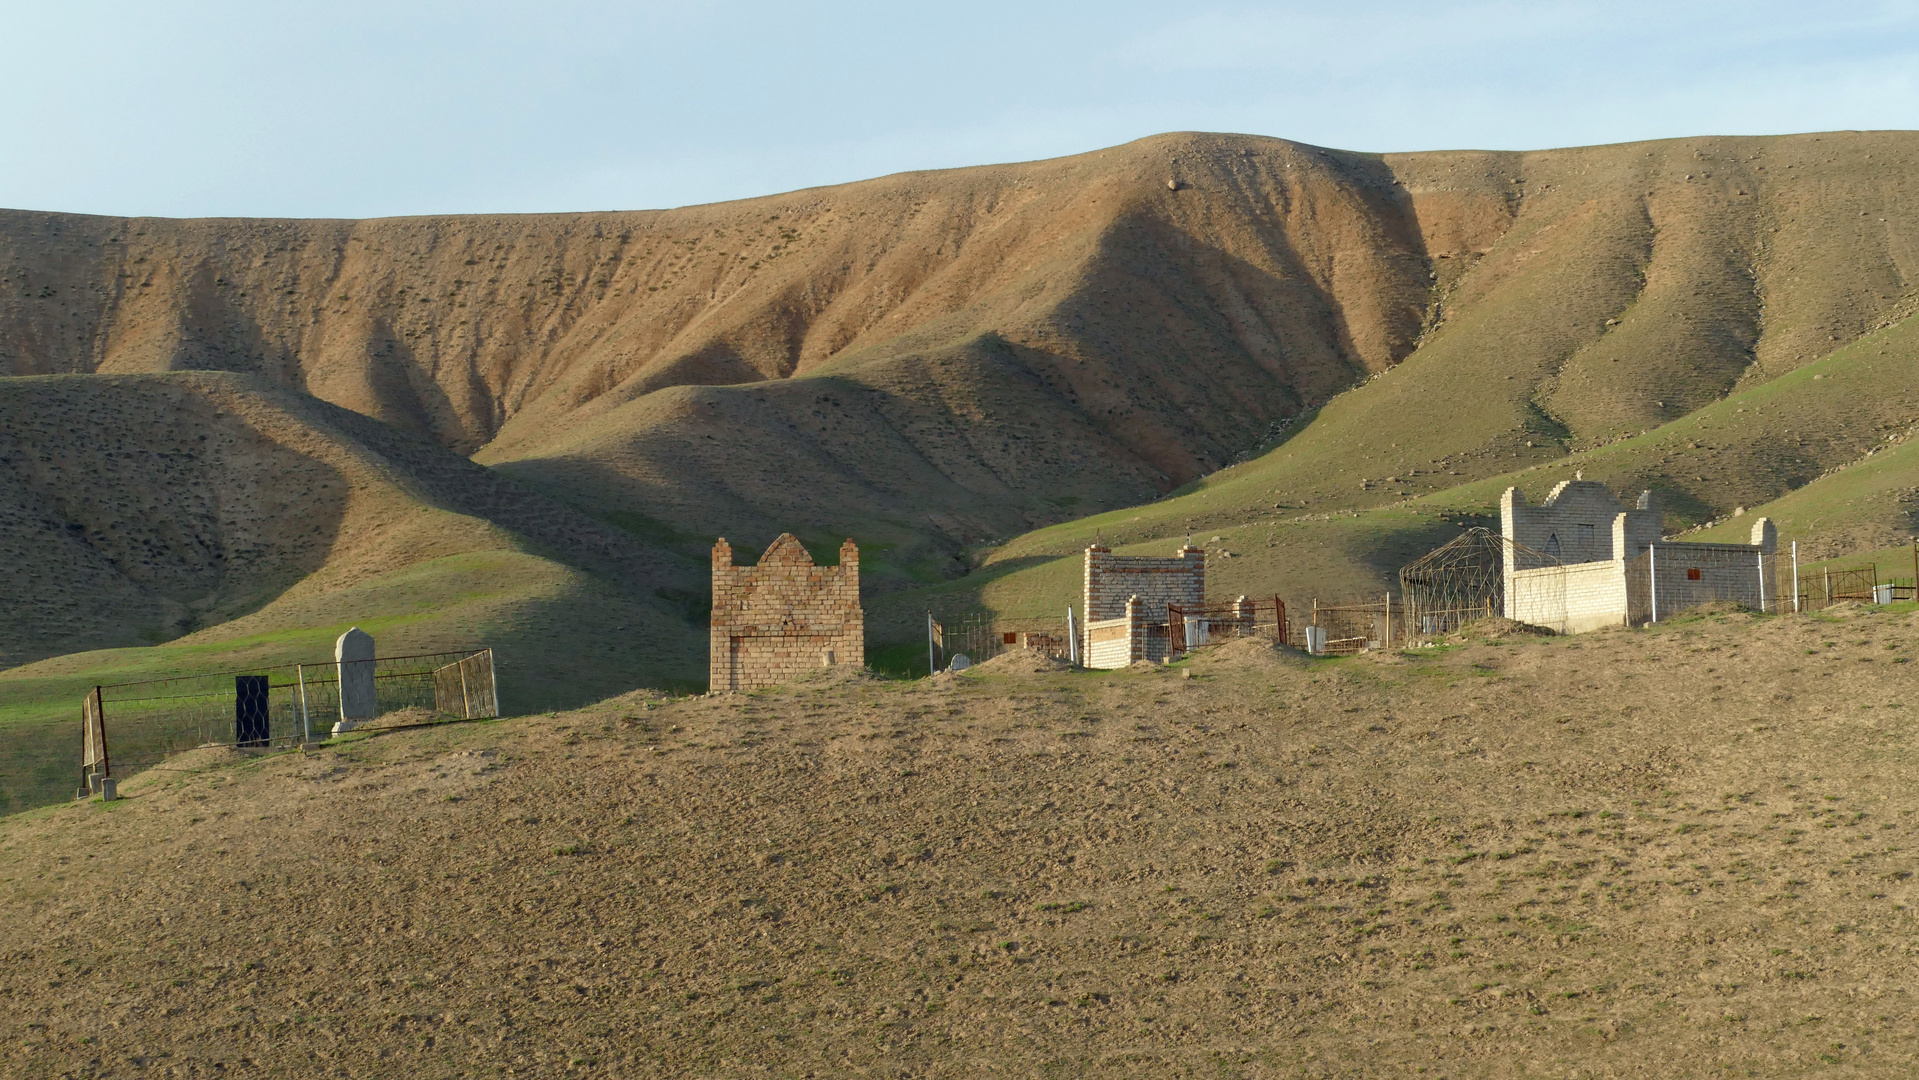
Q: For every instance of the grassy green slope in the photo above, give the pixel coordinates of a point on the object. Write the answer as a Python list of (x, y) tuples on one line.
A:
[(1635, 285), (243, 525), (1817, 448), (561, 639)]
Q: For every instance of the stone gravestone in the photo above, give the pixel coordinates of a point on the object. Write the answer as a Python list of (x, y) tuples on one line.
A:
[(354, 655)]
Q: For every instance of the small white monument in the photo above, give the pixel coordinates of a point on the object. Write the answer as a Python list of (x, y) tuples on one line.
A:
[(353, 652)]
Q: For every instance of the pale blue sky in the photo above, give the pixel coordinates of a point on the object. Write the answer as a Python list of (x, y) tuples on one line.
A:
[(353, 109)]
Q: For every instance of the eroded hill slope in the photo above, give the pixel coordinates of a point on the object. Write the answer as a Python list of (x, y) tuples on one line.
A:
[(242, 524), (1009, 346), (142, 508)]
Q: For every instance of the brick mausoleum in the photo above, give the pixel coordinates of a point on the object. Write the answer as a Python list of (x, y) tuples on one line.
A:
[(1126, 599), (784, 616), (1607, 577)]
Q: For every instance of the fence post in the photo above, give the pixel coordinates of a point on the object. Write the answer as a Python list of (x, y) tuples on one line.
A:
[(1652, 580), (1762, 582), (1828, 586), (932, 665), (1388, 643), (100, 710), (1795, 577), (1072, 637), (1279, 617), (306, 729), (493, 676)]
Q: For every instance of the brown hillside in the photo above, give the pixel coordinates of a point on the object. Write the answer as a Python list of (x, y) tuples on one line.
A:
[(1019, 344), (136, 509), (1143, 334), (1672, 853)]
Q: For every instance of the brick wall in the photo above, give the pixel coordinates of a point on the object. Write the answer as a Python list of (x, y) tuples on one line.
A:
[(1138, 587), (1115, 643), (1112, 579), (784, 617), (1569, 599), (1109, 643), (1580, 521)]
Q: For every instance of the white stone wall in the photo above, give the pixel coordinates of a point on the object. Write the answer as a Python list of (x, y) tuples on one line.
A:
[(1727, 573), (1109, 644), (1569, 599), (1580, 522), (1604, 581)]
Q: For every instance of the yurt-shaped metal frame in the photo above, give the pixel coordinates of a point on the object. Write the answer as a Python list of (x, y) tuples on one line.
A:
[(1462, 580)]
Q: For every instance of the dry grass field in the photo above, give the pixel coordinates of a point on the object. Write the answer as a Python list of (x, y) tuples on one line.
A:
[(1676, 852)]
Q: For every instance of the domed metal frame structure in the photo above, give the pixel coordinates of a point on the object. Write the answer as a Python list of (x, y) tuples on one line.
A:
[(1462, 580)]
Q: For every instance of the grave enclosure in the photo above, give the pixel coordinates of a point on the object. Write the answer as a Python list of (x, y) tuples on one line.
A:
[(784, 616), (1126, 599), (1613, 569), (128, 726)]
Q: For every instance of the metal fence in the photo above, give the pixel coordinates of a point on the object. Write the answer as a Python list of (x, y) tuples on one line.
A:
[(1671, 578), (1344, 629), (1463, 581), (981, 635), (1191, 626), (132, 725)]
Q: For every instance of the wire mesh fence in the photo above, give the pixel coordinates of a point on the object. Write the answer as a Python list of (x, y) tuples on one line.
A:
[(1668, 579), (128, 726), (1192, 626), (981, 635), (1357, 626)]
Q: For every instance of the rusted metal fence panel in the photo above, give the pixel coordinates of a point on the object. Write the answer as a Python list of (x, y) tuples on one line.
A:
[(1191, 626), (982, 635), (465, 688)]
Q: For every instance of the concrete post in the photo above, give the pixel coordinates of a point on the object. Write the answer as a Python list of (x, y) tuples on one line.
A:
[(1135, 629), (306, 727), (1652, 580)]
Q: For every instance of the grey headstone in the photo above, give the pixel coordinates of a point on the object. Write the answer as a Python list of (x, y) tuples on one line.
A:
[(960, 663), (109, 789), (354, 655)]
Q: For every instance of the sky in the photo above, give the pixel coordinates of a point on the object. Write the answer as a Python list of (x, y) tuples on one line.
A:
[(364, 109)]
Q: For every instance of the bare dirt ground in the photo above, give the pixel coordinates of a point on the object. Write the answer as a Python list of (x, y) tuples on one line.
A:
[(1679, 852)]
